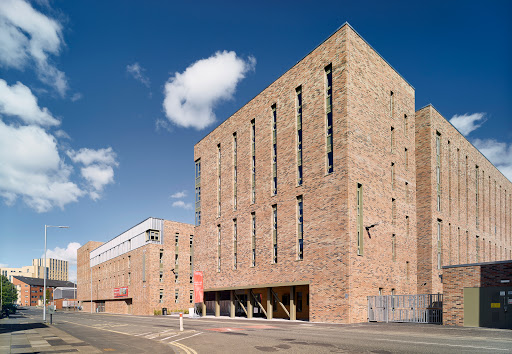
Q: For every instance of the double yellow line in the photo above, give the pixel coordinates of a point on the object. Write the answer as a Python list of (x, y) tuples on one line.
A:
[(187, 350)]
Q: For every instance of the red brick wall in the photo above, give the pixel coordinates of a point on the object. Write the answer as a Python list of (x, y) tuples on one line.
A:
[(455, 279), (458, 202)]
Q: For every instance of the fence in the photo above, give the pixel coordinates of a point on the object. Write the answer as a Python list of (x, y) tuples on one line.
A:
[(421, 308)]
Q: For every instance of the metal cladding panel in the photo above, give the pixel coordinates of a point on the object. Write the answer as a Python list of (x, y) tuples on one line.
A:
[(127, 241)]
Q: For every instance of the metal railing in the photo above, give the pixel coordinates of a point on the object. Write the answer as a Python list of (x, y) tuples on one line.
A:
[(421, 308)]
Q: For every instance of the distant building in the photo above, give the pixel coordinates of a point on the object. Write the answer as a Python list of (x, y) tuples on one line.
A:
[(147, 268), (31, 290), (57, 269)]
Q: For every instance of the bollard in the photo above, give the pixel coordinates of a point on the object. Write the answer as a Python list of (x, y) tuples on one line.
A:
[(51, 318), (181, 322)]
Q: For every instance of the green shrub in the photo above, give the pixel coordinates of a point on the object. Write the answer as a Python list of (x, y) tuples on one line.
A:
[(157, 312)]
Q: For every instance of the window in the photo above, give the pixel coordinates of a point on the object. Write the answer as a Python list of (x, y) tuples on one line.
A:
[(477, 247), (218, 179), (380, 291), (438, 169), (161, 256), (392, 139), (198, 191), (392, 175), (175, 276), (406, 125), (253, 239), (360, 232), (161, 277), (393, 247), (234, 171), (300, 230), (191, 258), (286, 299), (253, 161), (458, 245), (274, 150), (328, 124), (152, 235), (191, 296), (439, 261), (407, 271), (218, 248), (298, 92), (274, 233), (406, 157), (161, 300), (391, 104), (407, 192), (234, 244), (477, 212), (407, 226), (393, 210), (176, 296)]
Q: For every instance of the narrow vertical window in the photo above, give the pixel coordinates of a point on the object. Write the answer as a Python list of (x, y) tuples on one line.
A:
[(438, 169), (477, 206), (191, 296), (458, 183), (253, 239), (439, 261), (176, 296), (393, 210), (253, 161), (274, 150), (449, 180), (449, 243), (298, 92), (235, 143), (483, 250), (176, 256), (391, 104), (406, 157), (218, 248), (406, 125), (392, 141), (191, 259), (407, 271), (477, 246), (392, 175), (458, 245), (161, 299), (198, 191), (360, 227), (467, 246), (218, 179), (300, 228), (328, 123), (407, 192), (407, 226), (393, 247), (235, 244), (274, 233)]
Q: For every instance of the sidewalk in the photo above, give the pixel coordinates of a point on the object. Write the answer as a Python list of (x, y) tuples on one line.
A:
[(19, 334)]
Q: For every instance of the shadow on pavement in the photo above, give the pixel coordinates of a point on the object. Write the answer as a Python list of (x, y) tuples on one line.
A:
[(15, 327)]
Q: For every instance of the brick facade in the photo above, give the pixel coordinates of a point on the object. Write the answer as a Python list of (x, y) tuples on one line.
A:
[(139, 270), (339, 279), (475, 227), (456, 278)]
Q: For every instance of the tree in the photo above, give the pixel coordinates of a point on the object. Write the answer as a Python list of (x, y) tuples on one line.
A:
[(9, 293), (48, 296)]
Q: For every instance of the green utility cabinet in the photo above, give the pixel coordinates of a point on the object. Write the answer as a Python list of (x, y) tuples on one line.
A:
[(488, 307)]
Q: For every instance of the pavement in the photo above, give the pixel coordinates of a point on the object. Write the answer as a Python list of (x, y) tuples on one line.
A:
[(20, 334)]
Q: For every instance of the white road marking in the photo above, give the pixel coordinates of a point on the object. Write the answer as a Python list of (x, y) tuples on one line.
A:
[(186, 337)]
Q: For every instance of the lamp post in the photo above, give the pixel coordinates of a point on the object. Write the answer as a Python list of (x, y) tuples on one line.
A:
[(44, 269)]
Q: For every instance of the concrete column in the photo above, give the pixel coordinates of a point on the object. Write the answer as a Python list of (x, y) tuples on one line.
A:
[(203, 309), (217, 304), (270, 312), (250, 310), (232, 303), (293, 307)]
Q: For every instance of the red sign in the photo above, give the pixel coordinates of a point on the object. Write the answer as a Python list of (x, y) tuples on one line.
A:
[(121, 292), (198, 287)]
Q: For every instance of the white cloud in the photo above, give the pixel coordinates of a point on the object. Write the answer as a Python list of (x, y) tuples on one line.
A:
[(72, 274), (191, 96), (179, 195), (499, 153), (98, 168), (62, 134), (66, 254), (32, 169), (18, 100), (163, 124), (88, 156), (182, 204), (30, 37), (466, 123), (137, 72), (76, 96)]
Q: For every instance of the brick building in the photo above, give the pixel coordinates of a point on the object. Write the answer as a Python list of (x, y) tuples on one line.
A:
[(31, 290), (146, 268), (464, 203), (307, 197)]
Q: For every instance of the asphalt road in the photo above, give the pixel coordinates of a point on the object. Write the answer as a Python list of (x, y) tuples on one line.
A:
[(160, 334)]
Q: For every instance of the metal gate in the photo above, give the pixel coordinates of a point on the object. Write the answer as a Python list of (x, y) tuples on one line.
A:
[(421, 308)]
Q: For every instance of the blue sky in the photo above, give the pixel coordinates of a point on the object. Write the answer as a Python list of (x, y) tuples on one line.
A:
[(101, 102)]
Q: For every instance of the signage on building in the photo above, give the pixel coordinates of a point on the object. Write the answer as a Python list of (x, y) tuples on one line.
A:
[(198, 287), (121, 292)]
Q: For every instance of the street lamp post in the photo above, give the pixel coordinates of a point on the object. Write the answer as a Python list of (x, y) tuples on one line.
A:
[(44, 270)]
